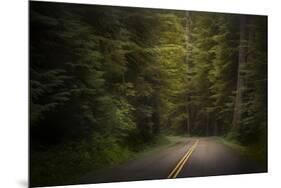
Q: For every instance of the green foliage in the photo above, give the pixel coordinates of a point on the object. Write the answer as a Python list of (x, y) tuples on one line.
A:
[(64, 164)]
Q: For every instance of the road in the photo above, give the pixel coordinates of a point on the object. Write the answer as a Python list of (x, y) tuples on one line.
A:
[(190, 157)]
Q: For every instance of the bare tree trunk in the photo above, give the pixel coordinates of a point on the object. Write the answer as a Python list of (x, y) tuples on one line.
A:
[(207, 124), (187, 28), (156, 114), (240, 84), (248, 81), (216, 128)]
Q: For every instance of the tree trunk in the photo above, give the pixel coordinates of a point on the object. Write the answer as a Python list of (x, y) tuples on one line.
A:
[(188, 110), (156, 114), (216, 128), (240, 84), (207, 124)]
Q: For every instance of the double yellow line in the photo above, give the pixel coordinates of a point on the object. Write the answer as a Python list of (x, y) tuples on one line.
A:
[(174, 173)]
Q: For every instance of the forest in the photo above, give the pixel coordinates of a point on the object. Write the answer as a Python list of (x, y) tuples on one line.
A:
[(107, 82)]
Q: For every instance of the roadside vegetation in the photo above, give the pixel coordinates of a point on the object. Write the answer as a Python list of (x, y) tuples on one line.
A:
[(256, 152), (53, 171)]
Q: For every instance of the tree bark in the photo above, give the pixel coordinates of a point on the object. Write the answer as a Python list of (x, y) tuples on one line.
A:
[(188, 36), (241, 62)]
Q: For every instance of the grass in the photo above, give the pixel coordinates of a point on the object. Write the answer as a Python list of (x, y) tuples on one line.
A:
[(234, 145), (162, 141), (256, 152), (67, 163)]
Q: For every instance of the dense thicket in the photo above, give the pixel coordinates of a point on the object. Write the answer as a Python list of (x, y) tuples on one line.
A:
[(105, 81)]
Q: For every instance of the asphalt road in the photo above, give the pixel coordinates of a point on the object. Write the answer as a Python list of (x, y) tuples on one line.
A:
[(191, 157)]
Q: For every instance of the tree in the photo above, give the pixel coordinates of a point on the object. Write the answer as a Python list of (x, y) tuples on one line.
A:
[(240, 80)]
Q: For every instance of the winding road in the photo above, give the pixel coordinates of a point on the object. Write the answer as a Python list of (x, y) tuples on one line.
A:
[(190, 157)]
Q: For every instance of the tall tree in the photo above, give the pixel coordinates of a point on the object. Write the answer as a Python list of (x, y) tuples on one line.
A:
[(240, 80)]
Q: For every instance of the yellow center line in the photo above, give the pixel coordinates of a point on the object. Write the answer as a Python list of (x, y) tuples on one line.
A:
[(178, 164), (183, 160)]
